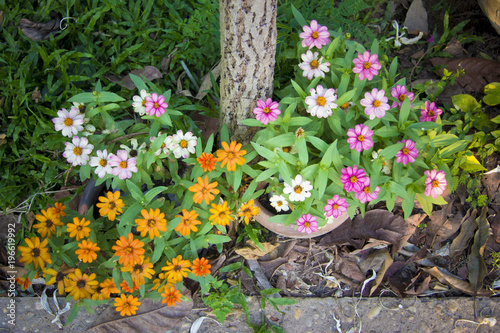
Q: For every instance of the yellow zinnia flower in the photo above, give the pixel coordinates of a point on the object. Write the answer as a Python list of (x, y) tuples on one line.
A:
[(188, 222), (177, 269), (220, 214), (127, 306), (49, 220), (86, 251), (203, 190), (35, 252), (111, 205), (248, 210), (81, 285), (231, 155), (78, 228), (153, 222)]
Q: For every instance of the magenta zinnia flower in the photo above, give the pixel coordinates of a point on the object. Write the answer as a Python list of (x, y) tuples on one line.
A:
[(400, 93), (354, 179), (430, 113), (366, 65), (122, 164), (375, 103), (435, 183), (365, 194), (360, 137), (266, 111), (335, 207), (408, 154), (315, 35), (307, 223), (155, 105)]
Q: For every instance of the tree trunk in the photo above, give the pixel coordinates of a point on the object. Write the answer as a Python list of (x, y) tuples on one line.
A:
[(248, 47)]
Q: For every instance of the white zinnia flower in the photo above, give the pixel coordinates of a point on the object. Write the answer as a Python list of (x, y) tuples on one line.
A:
[(299, 190), (313, 67), (70, 123), (135, 149), (279, 203), (321, 102), (77, 151), (101, 162), (183, 144), (165, 146), (139, 102), (386, 164)]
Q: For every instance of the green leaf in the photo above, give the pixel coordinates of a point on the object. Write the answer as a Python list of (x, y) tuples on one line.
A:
[(231, 267), (321, 181), (464, 102), (454, 148), (264, 152), (425, 203), (391, 151), (251, 233), (153, 193), (492, 91), (298, 16), (217, 239), (471, 164), (266, 174), (444, 139), (398, 190), (387, 132), (404, 112), (252, 122), (426, 125), (270, 291), (302, 150), (134, 190), (393, 69), (158, 251), (138, 82), (299, 121), (298, 89)]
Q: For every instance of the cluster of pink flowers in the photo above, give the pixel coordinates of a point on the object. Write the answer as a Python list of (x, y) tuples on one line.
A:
[(355, 180)]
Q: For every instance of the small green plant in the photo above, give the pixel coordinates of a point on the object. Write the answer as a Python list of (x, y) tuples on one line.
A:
[(495, 259)]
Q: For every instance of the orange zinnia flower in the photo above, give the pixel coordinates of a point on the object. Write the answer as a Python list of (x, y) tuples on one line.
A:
[(111, 205), (231, 155), (49, 220), (207, 162), (126, 288), (127, 306), (153, 222), (204, 191), (23, 281), (86, 251), (139, 271), (78, 228), (220, 214), (172, 296), (129, 250), (248, 210), (59, 209), (108, 287), (177, 269), (188, 222), (200, 267)]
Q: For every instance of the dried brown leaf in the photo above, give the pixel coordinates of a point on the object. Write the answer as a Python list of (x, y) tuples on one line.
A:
[(459, 244), (492, 183), (442, 225), (38, 31), (478, 71), (475, 264), (495, 227), (381, 272), (152, 316), (416, 18), (419, 285), (149, 72), (455, 282), (251, 251), (206, 81), (350, 269), (374, 260)]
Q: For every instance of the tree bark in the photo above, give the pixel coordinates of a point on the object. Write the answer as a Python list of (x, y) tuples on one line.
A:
[(248, 48)]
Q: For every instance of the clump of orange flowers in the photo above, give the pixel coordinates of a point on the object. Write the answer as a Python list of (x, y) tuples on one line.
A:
[(231, 155)]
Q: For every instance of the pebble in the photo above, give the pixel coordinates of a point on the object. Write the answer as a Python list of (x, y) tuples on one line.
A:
[(298, 314), (452, 306), (373, 312)]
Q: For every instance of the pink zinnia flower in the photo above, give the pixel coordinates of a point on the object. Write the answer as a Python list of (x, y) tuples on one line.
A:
[(69, 122), (266, 111), (430, 113), (400, 93), (435, 183), (408, 154), (155, 105), (366, 65), (122, 164), (335, 207), (360, 137), (315, 35), (313, 67), (321, 102), (307, 223), (375, 103), (354, 179), (365, 194)]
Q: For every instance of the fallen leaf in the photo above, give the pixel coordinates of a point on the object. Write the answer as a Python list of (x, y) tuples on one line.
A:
[(478, 71), (374, 260), (490, 9), (2, 139), (492, 183), (445, 277), (149, 72), (467, 228), (416, 18), (381, 272), (206, 81), (454, 48), (270, 266), (475, 264), (442, 225), (401, 279), (251, 251), (152, 316), (36, 95), (1, 18), (165, 62), (419, 285), (350, 269), (495, 227), (38, 31)]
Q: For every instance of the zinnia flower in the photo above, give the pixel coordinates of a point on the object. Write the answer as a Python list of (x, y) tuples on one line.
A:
[(266, 111), (203, 191), (155, 105), (58, 209), (207, 162), (299, 190), (366, 65), (139, 271), (248, 211), (365, 194), (375, 103), (165, 146), (307, 223), (129, 250), (430, 113), (178, 269), (201, 267), (87, 251), (139, 102), (77, 151), (386, 164), (126, 288), (314, 35), (321, 102), (171, 296), (135, 148), (152, 223), (360, 138), (35, 252), (220, 214), (354, 179), (231, 155), (48, 222), (126, 305), (313, 67), (23, 281), (435, 184), (108, 287), (101, 162), (111, 205), (335, 207), (279, 203), (188, 222), (408, 154), (78, 228), (81, 286), (183, 144), (70, 123), (122, 164), (400, 93)]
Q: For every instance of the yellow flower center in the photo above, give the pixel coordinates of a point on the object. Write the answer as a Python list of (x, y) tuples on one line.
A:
[(321, 101), (123, 164), (103, 162), (77, 151), (335, 206), (143, 102), (68, 121), (315, 35), (307, 224), (384, 163), (151, 223), (230, 155), (156, 106), (376, 103), (183, 143), (344, 106), (402, 97), (266, 110), (279, 203), (361, 138), (367, 65), (435, 183), (297, 189), (287, 149), (367, 190), (430, 113), (406, 151), (79, 228), (314, 64), (353, 179)]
